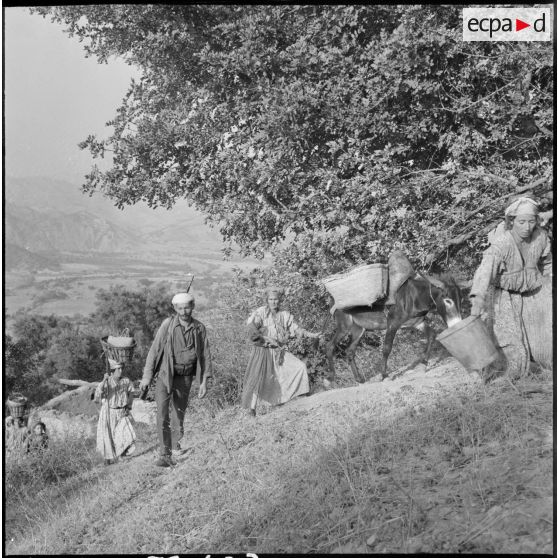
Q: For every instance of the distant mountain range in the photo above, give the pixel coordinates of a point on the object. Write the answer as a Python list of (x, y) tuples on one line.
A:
[(53, 231), (44, 216), (16, 257)]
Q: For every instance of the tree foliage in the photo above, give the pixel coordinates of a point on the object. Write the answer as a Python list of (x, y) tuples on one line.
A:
[(347, 131), (45, 348), (141, 311)]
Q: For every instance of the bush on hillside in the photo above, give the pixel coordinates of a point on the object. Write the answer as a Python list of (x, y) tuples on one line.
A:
[(45, 348), (25, 475), (141, 311), (49, 295)]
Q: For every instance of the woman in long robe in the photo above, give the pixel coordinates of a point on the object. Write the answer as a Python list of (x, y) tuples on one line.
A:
[(512, 290), (273, 374), (115, 433)]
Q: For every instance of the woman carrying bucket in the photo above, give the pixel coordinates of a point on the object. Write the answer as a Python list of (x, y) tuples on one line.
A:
[(512, 289)]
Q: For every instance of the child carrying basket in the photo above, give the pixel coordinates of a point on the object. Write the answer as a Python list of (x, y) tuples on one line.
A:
[(115, 432), (16, 424)]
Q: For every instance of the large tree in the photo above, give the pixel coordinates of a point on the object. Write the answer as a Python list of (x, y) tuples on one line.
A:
[(347, 130)]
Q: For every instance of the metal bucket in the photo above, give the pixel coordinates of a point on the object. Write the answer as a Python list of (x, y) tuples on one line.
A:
[(470, 342)]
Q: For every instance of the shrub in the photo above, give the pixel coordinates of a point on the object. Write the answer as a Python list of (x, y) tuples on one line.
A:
[(229, 352), (47, 296)]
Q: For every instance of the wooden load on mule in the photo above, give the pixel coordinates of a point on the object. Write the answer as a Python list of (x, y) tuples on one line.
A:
[(359, 286), (363, 285)]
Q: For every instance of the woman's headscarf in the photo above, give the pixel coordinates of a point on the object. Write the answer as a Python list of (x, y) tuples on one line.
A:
[(114, 364), (522, 206), (274, 291)]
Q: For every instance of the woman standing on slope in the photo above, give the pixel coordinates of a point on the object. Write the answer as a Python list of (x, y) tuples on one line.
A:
[(513, 286), (115, 433), (273, 374)]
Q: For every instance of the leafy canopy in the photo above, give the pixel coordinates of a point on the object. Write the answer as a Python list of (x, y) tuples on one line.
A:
[(348, 131)]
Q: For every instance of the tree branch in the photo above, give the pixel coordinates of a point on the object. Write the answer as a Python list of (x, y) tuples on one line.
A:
[(520, 190), (480, 100), (544, 130), (461, 238), (76, 382)]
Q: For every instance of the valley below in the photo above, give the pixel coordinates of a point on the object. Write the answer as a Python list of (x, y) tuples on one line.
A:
[(71, 289), (62, 247)]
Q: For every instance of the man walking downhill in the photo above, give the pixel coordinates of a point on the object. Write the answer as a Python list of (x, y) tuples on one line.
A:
[(179, 352)]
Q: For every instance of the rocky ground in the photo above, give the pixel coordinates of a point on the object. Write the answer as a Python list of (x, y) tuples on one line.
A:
[(432, 461)]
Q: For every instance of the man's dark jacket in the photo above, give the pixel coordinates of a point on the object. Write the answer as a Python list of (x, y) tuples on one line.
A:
[(159, 359)]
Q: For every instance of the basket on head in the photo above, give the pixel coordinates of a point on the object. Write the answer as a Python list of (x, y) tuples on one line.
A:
[(359, 286), (17, 404), (119, 348)]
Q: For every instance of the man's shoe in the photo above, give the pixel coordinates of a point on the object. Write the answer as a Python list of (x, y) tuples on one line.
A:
[(165, 461), (178, 449)]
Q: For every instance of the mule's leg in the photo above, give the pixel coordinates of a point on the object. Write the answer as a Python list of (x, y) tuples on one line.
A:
[(356, 335), (330, 349), (429, 333), (394, 322)]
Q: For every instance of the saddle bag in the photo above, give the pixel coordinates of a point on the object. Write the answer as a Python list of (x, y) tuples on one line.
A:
[(359, 286)]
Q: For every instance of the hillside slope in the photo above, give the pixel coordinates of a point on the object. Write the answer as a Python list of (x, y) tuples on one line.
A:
[(18, 258), (433, 461), (56, 231)]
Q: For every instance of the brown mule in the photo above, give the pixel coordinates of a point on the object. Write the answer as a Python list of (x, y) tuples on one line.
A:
[(415, 298)]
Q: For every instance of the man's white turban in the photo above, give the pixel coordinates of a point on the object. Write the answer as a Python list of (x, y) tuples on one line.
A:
[(183, 298)]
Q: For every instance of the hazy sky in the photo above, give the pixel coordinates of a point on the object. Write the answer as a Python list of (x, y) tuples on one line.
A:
[(54, 98)]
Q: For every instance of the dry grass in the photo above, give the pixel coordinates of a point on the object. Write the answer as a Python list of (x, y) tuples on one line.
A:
[(436, 471), (29, 479), (56, 484)]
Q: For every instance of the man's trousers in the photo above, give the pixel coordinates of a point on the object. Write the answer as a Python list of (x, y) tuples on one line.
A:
[(179, 393)]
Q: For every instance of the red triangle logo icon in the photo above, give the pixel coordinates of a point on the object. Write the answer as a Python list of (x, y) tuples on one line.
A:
[(519, 25)]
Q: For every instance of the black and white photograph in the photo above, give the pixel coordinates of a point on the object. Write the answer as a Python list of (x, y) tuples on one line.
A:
[(278, 279)]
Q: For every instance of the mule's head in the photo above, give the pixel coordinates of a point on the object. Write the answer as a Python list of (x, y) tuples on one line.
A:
[(448, 301)]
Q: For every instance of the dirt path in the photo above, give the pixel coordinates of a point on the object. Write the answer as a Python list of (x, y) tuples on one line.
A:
[(449, 373)]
